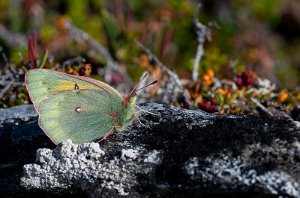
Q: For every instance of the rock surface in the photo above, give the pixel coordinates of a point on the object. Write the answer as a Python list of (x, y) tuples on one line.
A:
[(20, 137), (17, 114), (175, 153)]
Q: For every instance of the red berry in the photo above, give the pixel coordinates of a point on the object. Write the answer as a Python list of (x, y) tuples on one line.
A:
[(213, 101)]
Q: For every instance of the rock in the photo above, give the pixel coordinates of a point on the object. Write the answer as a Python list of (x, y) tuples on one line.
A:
[(295, 113), (82, 166), (17, 114), (176, 153), (20, 137)]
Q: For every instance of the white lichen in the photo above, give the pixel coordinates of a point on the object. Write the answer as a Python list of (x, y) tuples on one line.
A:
[(233, 172), (82, 165)]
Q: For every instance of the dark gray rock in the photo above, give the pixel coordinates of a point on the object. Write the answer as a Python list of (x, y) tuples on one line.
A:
[(83, 166), (17, 114), (20, 137), (177, 153)]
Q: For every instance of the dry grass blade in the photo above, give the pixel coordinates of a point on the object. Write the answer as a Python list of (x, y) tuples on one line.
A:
[(171, 74)]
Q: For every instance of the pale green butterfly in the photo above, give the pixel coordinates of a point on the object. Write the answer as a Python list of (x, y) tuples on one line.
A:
[(76, 107)]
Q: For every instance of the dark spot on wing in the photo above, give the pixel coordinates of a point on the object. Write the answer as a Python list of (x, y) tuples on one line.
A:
[(76, 86)]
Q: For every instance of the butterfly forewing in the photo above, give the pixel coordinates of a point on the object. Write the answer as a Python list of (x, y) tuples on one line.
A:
[(42, 83), (80, 115)]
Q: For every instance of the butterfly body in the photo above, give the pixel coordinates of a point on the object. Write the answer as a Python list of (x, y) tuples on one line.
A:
[(76, 107)]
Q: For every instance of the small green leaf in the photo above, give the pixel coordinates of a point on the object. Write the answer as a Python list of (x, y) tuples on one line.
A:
[(219, 98), (43, 59)]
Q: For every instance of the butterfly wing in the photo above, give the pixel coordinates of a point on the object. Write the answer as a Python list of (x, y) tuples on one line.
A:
[(79, 115), (41, 83)]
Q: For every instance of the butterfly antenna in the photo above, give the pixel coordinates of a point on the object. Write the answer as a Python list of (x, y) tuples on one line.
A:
[(126, 98), (154, 82), (134, 90)]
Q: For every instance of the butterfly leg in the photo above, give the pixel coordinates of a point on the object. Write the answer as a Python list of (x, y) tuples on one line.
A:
[(145, 111), (109, 132), (140, 121)]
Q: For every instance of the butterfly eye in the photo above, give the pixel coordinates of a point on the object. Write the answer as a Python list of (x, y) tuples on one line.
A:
[(78, 109)]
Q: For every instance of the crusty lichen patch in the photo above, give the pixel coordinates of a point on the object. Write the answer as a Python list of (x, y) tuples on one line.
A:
[(232, 172), (81, 166)]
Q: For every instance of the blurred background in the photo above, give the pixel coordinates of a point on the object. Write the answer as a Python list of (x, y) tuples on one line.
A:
[(246, 39), (261, 35)]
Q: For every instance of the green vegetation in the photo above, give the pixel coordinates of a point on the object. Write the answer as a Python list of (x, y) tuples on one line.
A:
[(249, 42)]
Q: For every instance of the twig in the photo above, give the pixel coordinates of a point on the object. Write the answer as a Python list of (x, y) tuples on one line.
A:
[(4, 57), (7, 64), (12, 39), (172, 75), (78, 33), (6, 88), (203, 33), (264, 109), (111, 64), (72, 61)]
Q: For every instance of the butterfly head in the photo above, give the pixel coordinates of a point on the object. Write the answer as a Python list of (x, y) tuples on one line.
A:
[(130, 99)]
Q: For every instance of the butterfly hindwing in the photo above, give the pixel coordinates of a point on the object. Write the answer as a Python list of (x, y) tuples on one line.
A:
[(42, 83), (80, 115)]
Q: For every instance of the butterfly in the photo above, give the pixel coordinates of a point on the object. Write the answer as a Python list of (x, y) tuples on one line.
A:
[(76, 107)]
